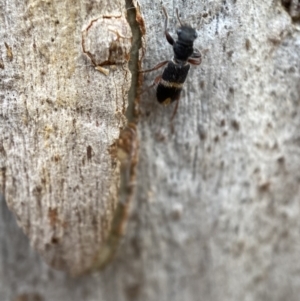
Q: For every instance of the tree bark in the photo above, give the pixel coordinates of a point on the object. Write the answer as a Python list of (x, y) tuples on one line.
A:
[(61, 119), (215, 213)]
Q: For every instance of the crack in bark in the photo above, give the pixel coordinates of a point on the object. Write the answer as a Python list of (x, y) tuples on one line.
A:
[(127, 145), (137, 29)]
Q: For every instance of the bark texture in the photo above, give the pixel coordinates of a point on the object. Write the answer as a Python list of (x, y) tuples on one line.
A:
[(60, 119), (215, 214)]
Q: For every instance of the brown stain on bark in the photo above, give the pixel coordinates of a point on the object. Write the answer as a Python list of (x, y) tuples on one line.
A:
[(53, 216), (9, 52)]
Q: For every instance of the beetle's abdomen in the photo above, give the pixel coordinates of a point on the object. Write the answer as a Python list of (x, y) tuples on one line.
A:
[(171, 83)]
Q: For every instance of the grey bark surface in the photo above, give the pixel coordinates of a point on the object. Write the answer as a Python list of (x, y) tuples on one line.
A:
[(215, 214), (60, 120)]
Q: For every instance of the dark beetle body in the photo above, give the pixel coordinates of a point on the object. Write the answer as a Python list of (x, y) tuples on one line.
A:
[(170, 83)]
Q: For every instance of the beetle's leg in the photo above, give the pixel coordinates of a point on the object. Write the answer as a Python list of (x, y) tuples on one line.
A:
[(161, 64), (174, 113), (195, 58), (155, 82), (176, 107), (168, 36), (195, 61), (196, 53)]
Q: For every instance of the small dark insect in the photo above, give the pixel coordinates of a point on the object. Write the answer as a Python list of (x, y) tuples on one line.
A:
[(170, 83)]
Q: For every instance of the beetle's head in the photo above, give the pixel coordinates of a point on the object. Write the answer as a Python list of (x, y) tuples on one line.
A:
[(186, 34)]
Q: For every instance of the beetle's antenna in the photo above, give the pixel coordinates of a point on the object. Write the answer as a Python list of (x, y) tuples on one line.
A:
[(167, 17), (178, 16)]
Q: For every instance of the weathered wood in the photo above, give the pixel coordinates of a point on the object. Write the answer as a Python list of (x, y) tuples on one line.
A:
[(216, 210)]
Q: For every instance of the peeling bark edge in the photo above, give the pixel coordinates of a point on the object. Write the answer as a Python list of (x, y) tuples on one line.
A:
[(126, 148)]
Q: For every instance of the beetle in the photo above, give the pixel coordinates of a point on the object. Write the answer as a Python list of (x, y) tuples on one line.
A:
[(170, 83)]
